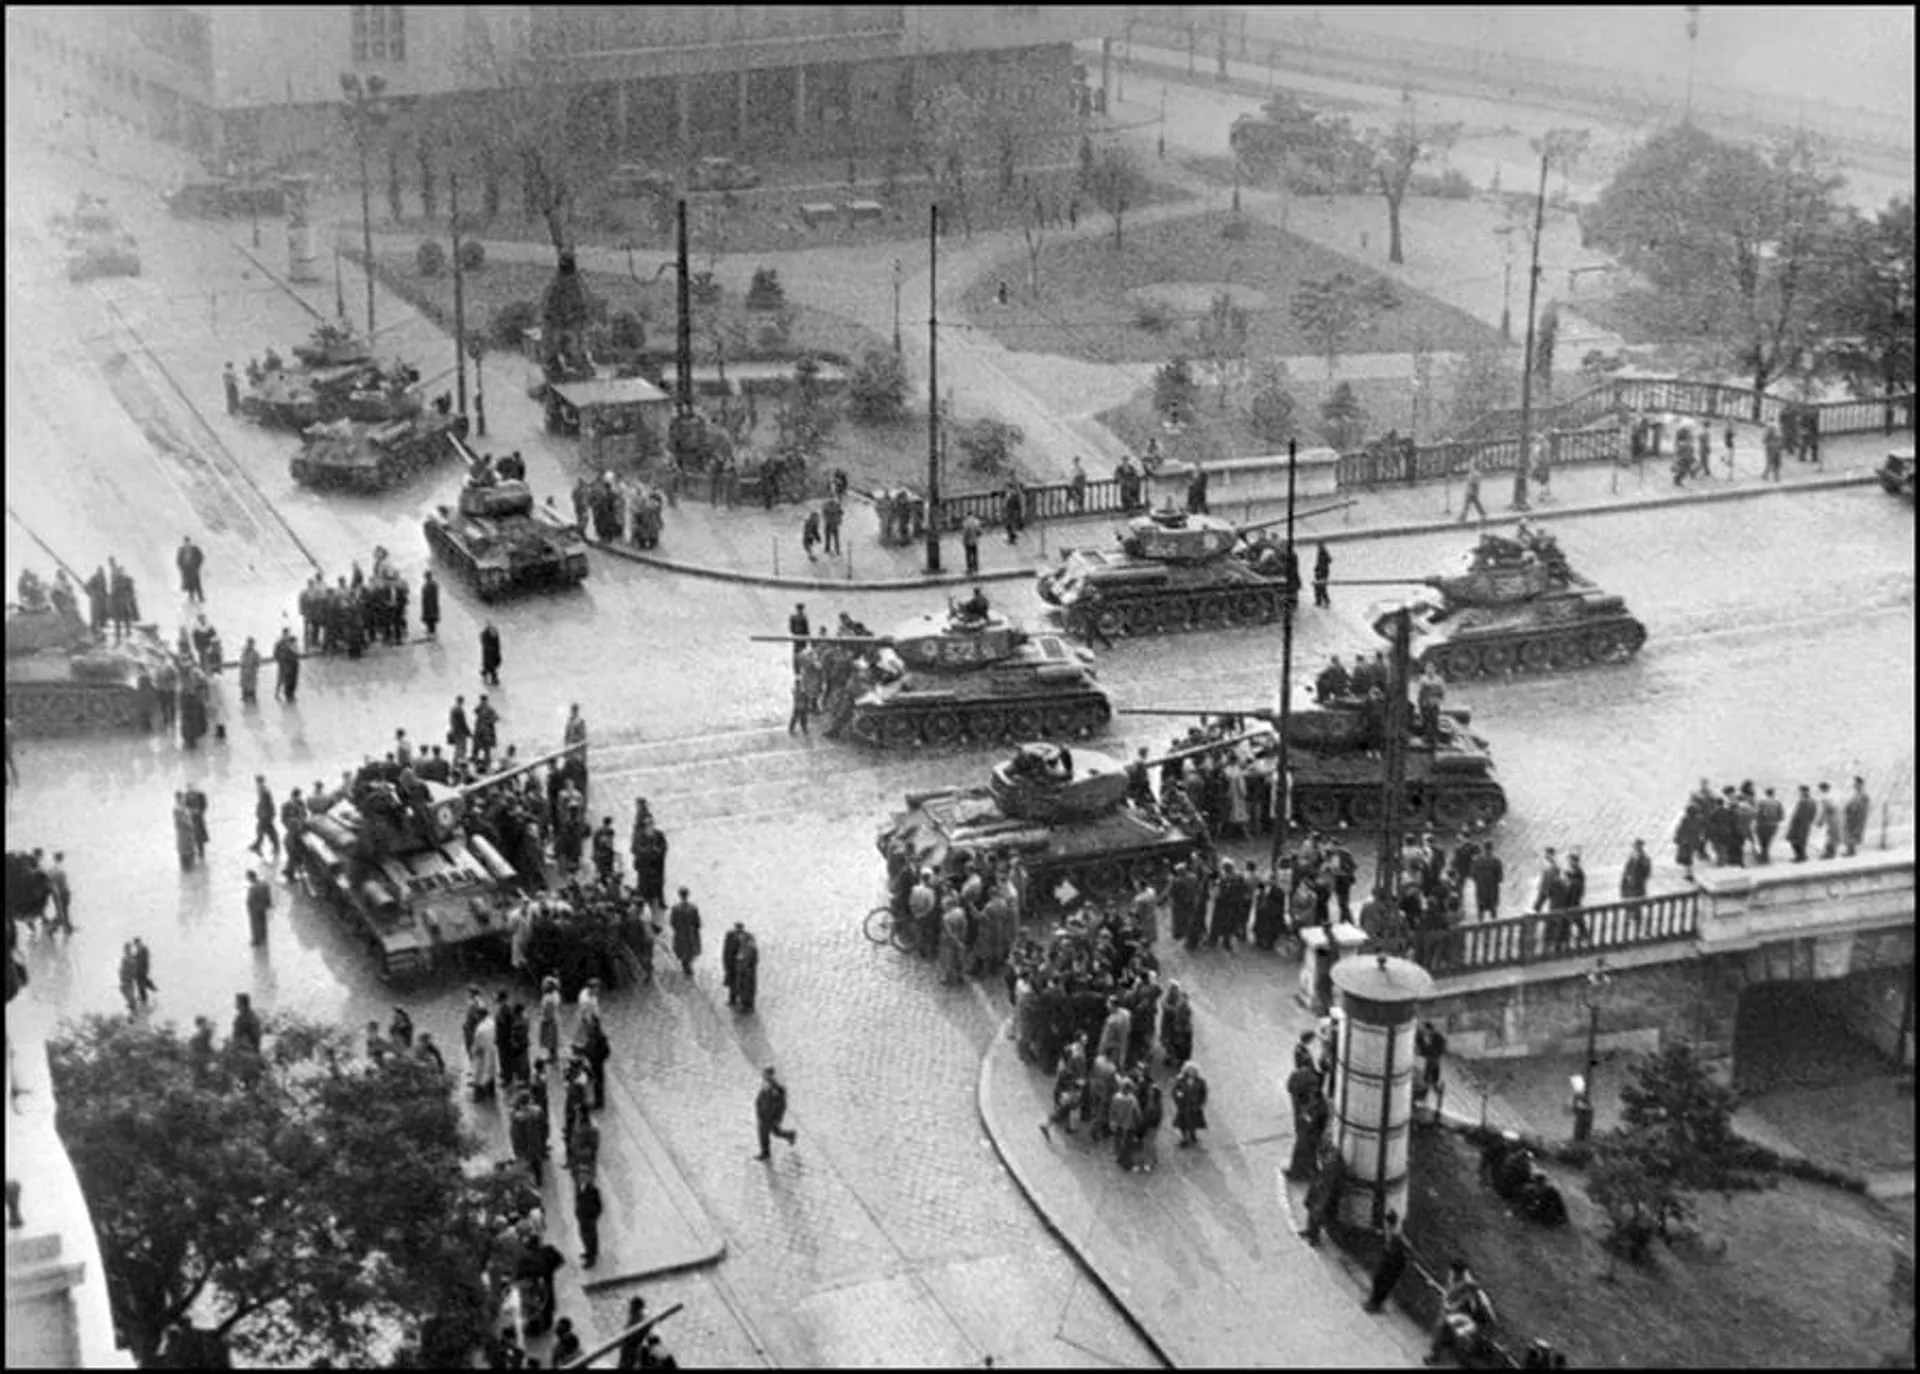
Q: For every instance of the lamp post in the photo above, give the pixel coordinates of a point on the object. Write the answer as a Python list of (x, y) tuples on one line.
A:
[(897, 272), (1505, 233), (1161, 144), (365, 110), (1592, 993)]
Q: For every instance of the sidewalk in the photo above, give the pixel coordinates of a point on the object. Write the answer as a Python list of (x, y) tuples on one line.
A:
[(1203, 1252), (750, 544)]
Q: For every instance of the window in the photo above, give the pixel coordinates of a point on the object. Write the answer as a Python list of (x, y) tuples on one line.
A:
[(379, 33)]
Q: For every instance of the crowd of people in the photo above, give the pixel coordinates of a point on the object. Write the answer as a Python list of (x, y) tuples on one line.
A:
[(360, 610), (620, 509), (1737, 825)]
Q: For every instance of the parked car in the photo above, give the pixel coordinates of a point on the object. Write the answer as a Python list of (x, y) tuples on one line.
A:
[(722, 174), (634, 179)]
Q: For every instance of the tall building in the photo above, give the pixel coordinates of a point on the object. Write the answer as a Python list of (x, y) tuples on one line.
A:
[(685, 78)]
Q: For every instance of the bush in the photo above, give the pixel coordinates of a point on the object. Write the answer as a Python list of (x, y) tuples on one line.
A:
[(1156, 317), (1175, 391), (1271, 414), (1451, 184), (429, 259), (627, 331), (511, 323), (703, 289), (1342, 418), (1235, 229), (765, 292), (877, 386), (988, 444), (473, 255)]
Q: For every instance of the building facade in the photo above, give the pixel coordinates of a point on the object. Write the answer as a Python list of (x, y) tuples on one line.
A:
[(242, 80)]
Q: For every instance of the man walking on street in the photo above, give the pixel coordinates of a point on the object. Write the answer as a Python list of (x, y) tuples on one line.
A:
[(1800, 824), (459, 732), (587, 1207), (970, 542), (830, 516), (1470, 498), (1322, 575), (769, 1111), (1488, 872), (264, 812), (259, 902), (286, 662), (430, 604), (1393, 1263), (1767, 816), (1829, 822), (62, 893)]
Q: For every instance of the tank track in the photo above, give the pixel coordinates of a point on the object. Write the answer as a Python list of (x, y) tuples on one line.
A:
[(990, 721), (1444, 808), (1175, 612), (1109, 877), (1559, 649)]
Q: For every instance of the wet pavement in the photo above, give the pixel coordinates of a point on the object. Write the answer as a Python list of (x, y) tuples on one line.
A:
[(1781, 648)]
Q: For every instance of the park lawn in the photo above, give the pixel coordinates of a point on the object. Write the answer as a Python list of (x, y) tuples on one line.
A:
[(1862, 1126), (1629, 312), (1212, 434), (498, 283), (1792, 1277), (1085, 310)]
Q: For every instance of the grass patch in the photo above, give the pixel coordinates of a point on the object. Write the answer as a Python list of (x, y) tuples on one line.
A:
[(1793, 1276), (1632, 313), (1861, 1127), (1085, 310)]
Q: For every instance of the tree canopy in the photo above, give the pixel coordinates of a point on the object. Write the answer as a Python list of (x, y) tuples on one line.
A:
[(293, 1206), (1394, 152), (1739, 246)]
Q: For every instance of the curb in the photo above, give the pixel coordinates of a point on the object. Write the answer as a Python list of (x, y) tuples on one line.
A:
[(984, 1085), (1690, 498)]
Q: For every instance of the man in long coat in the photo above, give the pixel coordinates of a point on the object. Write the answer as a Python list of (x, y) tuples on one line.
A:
[(685, 919)]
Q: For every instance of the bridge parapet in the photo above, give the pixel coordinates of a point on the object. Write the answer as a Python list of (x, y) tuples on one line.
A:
[(1745, 908)]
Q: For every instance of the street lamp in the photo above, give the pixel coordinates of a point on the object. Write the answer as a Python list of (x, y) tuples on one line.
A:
[(1505, 233), (1592, 993), (1161, 146), (896, 307), (366, 111)]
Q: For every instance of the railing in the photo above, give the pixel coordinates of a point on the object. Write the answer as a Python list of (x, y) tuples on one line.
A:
[(1517, 941), (1582, 429)]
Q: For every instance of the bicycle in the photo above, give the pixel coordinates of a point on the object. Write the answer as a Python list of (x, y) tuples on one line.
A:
[(882, 929)]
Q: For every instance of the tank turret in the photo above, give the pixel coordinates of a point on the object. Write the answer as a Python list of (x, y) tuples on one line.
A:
[(971, 674), (1516, 606), (332, 344), (1174, 571)]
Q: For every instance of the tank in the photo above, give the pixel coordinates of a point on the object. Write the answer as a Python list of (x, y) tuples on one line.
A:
[(414, 879), (968, 675), (62, 679), (332, 345), (1172, 572), (358, 456), (111, 253), (498, 539), (1064, 813), (1517, 606), (301, 397), (1335, 756)]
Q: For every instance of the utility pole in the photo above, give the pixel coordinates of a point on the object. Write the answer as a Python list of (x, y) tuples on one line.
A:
[(1393, 782), (683, 335), (459, 295), (1526, 359), (933, 389), (1283, 778), (1693, 32)]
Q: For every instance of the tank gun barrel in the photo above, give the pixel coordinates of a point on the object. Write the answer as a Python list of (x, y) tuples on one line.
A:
[(1265, 713), (1193, 749), (495, 779), (1298, 515), (1383, 581)]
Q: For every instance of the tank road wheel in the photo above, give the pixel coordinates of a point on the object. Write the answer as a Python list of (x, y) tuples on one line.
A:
[(1615, 644), (1463, 664), (1535, 656), (1266, 608), (1496, 660), (899, 732), (1108, 623), (986, 727), (1063, 722), (1172, 616), (1486, 808), (1095, 716), (1139, 620), (1414, 805), (1023, 724), (1366, 809), (1237, 608), (1321, 810), (941, 728), (1210, 612), (1567, 651), (1450, 811)]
